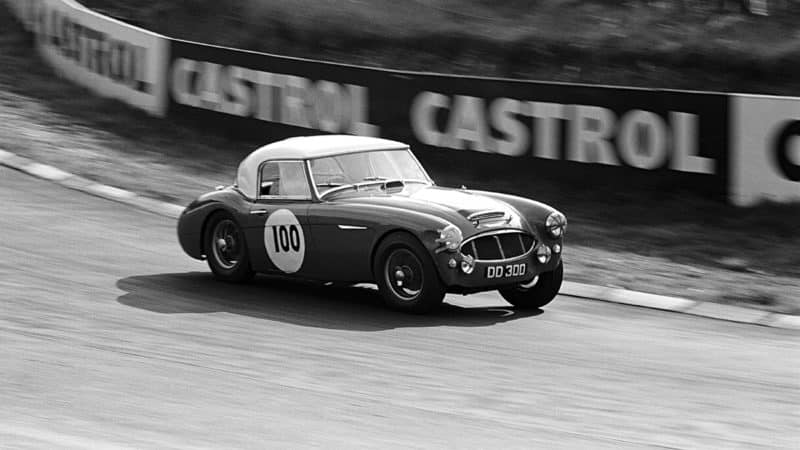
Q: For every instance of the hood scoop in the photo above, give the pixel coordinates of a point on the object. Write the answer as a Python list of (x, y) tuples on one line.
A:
[(488, 219)]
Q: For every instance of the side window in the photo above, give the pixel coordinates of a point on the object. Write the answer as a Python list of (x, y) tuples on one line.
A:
[(284, 179), (269, 179)]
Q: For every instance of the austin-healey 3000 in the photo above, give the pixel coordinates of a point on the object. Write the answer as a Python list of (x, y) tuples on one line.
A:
[(350, 209)]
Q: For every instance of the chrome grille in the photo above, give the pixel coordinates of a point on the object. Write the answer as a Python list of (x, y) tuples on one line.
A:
[(498, 245)]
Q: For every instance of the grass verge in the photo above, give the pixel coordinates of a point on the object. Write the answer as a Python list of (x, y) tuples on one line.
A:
[(672, 244)]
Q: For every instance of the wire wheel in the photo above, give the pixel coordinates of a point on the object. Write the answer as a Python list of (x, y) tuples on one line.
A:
[(539, 291), (226, 248), (404, 274), (226, 244)]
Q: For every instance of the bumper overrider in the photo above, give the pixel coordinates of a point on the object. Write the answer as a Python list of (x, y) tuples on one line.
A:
[(498, 258)]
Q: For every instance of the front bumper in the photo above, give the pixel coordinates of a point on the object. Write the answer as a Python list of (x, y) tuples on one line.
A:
[(484, 276)]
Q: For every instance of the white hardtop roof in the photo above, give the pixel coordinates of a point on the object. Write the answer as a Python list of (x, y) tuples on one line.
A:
[(319, 146), (308, 147)]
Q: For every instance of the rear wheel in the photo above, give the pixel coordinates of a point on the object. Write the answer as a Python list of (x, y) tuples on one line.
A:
[(406, 276), (536, 293), (226, 249)]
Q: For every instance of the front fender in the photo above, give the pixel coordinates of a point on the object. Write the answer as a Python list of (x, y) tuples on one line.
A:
[(388, 219), (530, 209), (535, 213)]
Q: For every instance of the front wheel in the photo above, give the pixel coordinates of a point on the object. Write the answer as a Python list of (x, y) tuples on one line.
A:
[(226, 249), (538, 292), (406, 276)]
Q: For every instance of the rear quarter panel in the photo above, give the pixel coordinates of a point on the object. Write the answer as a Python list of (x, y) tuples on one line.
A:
[(192, 221)]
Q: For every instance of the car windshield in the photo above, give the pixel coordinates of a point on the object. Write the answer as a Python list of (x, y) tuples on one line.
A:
[(363, 168)]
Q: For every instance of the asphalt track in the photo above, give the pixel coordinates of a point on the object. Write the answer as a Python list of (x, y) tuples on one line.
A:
[(111, 338)]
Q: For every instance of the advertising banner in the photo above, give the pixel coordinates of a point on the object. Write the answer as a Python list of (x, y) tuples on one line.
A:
[(107, 56), (631, 138), (765, 155)]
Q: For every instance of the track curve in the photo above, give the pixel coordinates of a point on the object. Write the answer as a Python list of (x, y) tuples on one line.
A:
[(110, 337)]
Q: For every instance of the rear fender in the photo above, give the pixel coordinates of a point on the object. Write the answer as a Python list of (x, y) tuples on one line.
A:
[(193, 219)]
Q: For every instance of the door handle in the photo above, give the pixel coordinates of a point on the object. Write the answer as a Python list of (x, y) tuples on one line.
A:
[(258, 211)]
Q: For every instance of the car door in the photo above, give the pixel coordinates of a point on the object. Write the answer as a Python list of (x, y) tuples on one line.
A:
[(278, 232), (343, 235)]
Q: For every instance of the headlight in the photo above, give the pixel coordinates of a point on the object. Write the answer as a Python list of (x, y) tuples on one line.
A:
[(543, 254), (556, 224), (450, 237)]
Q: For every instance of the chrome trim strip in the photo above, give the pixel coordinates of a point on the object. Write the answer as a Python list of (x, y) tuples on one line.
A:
[(311, 180), (351, 227), (259, 211)]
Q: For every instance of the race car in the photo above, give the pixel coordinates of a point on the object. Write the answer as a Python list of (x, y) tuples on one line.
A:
[(350, 209)]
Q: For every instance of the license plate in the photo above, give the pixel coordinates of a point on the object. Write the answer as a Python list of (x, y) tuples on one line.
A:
[(506, 271)]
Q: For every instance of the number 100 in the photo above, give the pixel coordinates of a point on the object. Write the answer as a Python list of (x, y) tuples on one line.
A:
[(287, 238)]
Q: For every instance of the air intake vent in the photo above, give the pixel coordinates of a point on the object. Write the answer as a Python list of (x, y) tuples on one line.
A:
[(394, 186), (484, 219)]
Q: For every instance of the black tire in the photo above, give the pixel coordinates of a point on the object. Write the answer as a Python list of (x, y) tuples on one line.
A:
[(229, 262), (418, 290), (538, 295)]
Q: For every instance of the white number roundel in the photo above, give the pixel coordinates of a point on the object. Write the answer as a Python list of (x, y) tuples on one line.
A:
[(284, 240)]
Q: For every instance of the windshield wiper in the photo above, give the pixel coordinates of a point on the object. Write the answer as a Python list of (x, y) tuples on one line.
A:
[(383, 182), (414, 180), (338, 188)]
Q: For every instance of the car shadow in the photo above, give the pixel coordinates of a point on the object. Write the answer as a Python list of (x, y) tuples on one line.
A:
[(307, 304)]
